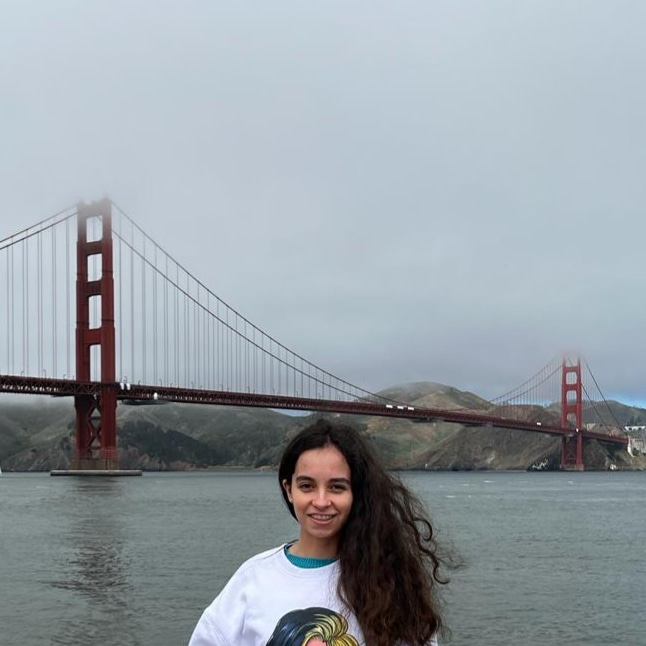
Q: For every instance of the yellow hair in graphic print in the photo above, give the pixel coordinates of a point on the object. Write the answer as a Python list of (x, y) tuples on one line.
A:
[(312, 627)]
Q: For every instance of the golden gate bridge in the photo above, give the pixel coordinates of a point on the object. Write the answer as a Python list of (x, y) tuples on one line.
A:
[(92, 308)]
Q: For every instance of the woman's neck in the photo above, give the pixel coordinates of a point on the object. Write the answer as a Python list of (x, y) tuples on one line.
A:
[(315, 549)]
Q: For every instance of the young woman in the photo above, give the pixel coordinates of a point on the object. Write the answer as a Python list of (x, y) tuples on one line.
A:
[(365, 563)]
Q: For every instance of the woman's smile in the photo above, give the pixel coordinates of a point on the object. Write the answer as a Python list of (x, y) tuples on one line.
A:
[(323, 518)]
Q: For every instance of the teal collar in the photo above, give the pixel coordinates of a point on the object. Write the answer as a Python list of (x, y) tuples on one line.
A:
[(306, 561)]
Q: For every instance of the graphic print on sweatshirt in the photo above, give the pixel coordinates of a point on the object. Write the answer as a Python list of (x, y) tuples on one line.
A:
[(312, 627)]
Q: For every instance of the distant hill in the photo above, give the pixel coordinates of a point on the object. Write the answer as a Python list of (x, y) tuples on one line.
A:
[(37, 434), (434, 395)]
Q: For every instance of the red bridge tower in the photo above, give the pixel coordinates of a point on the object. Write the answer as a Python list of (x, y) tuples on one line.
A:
[(572, 415), (96, 415)]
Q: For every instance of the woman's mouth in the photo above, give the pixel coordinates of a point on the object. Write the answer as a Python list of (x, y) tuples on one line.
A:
[(321, 518)]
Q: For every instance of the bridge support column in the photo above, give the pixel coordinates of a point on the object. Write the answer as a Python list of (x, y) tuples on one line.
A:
[(96, 415), (572, 415)]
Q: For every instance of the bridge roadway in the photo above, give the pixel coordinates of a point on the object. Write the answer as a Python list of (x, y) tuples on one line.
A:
[(384, 408)]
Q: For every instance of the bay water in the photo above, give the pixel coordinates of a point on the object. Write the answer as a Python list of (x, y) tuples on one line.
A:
[(549, 558)]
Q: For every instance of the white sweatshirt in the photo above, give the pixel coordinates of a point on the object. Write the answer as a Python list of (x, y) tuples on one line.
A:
[(264, 589), (269, 601)]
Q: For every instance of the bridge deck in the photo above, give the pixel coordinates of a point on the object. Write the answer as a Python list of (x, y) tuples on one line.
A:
[(68, 387)]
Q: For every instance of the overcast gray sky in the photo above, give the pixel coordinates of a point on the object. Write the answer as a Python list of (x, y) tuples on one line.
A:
[(398, 191)]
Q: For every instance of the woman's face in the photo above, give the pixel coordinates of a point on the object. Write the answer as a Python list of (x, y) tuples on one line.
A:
[(321, 493)]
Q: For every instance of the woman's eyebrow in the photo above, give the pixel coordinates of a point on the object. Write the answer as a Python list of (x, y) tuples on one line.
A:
[(304, 478)]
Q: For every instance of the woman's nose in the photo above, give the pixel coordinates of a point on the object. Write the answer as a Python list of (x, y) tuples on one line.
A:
[(321, 499)]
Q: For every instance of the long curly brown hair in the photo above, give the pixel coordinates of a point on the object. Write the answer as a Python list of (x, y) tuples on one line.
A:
[(389, 559)]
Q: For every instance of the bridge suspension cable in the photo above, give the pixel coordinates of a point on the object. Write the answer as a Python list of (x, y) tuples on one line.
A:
[(207, 343), (38, 228), (591, 400), (36, 298), (530, 391)]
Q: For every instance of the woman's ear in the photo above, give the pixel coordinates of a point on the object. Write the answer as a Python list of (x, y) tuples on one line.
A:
[(288, 489)]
